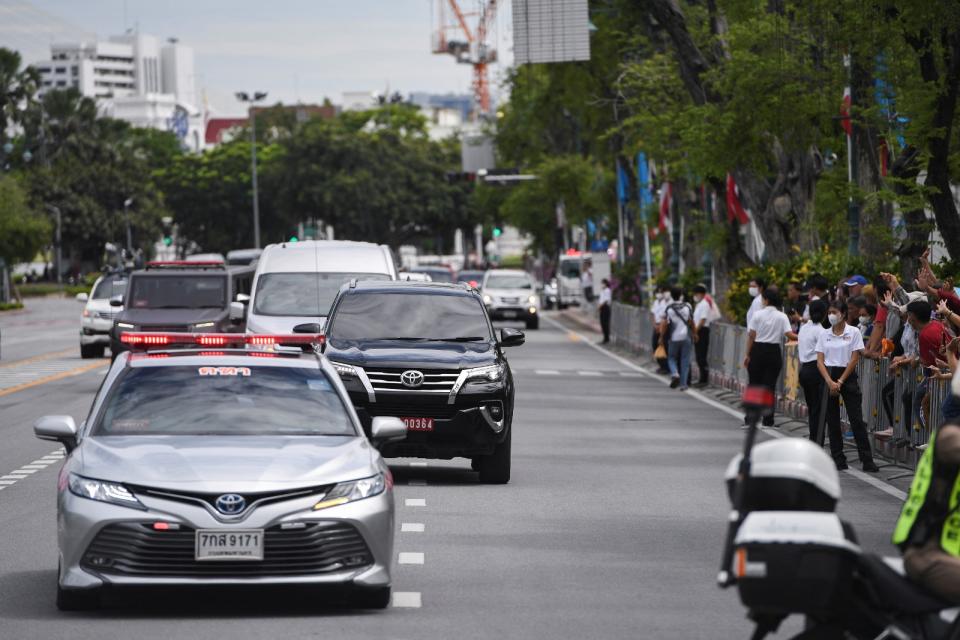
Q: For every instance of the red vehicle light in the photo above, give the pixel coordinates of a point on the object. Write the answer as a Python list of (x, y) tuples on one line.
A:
[(758, 397), (212, 340), (144, 341)]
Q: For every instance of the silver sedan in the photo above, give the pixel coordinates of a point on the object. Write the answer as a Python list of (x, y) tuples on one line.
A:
[(227, 467)]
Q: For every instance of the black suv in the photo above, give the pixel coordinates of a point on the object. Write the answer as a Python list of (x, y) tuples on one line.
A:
[(181, 297), (427, 353)]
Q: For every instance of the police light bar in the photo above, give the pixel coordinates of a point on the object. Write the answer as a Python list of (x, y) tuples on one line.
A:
[(757, 396), (184, 264), (145, 341)]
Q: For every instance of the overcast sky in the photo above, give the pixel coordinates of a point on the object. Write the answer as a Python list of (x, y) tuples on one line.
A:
[(294, 49)]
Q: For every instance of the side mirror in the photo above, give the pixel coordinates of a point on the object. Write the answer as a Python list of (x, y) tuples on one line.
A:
[(511, 337), (60, 429), (116, 301), (238, 311), (308, 327), (82, 297), (387, 429), (243, 297)]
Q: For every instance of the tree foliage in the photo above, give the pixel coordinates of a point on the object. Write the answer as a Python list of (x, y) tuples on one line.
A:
[(22, 231)]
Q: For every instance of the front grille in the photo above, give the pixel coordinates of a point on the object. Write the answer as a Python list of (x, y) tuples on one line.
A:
[(136, 549), (440, 411), (252, 499), (105, 315), (437, 381)]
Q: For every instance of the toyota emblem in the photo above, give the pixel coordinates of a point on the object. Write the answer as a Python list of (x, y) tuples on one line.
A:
[(230, 504), (412, 379)]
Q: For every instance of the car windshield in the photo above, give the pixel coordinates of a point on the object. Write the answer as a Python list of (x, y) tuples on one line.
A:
[(570, 269), (437, 275), (218, 400), (509, 282), (179, 292), (409, 316), (302, 294), (108, 287), (470, 276)]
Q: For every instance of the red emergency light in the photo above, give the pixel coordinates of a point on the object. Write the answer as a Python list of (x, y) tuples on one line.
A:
[(144, 340)]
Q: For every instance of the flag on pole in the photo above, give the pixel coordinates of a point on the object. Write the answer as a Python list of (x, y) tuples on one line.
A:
[(623, 184), (735, 210), (645, 196), (666, 202), (845, 112)]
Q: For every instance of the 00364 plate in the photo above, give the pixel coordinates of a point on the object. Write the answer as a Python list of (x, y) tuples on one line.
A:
[(235, 544), (418, 424)]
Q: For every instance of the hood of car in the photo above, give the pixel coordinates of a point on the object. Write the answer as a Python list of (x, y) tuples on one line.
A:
[(148, 317), (279, 324), (413, 355), (225, 463), (522, 294)]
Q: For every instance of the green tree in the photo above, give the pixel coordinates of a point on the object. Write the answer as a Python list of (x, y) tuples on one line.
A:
[(22, 231), (17, 88)]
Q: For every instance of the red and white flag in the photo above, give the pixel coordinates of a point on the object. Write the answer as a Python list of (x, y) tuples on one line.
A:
[(735, 210), (845, 112), (666, 202)]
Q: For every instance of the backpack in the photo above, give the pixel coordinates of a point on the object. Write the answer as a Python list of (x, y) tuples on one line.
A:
[(670, 323)]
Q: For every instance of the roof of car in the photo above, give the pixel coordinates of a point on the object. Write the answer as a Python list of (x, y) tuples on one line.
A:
[(343, 256), (187, 270), (507, 272), (393, 286)]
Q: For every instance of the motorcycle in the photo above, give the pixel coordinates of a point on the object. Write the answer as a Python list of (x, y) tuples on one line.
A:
[(788, 552)]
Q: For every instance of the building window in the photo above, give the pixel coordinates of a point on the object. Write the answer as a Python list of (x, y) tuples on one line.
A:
[(61, 69), (76, 84), (47, 83), (61, 83), (43, 69), (75, 69)]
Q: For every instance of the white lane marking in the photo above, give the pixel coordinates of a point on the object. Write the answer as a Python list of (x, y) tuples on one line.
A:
[(415, 502), (859, 475), (417, 483), (6, 482), (25, 470), (35, 467), (418, 464), (14, 476), (410, 557), (547, 372), (411, 527), (28, 469), (407, 599), (590, 373), (630, 374)]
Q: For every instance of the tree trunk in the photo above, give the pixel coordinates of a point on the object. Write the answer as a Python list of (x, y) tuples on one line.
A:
[(906, 168)]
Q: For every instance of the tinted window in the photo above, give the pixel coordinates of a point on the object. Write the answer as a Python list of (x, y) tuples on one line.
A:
[(302, 294), (437, 275), (109, 287), (570, 269), (369, 316), (214, 400), (470, 276), (179, 292), (508, 282)]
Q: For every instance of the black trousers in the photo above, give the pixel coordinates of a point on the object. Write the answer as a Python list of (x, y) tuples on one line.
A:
[(812, 384), (702, 348), (605, 322), (766, 360), (853, 401)]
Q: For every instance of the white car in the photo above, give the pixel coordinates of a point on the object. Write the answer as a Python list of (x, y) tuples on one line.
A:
[(510, 294), (296, 282), (97, 318)]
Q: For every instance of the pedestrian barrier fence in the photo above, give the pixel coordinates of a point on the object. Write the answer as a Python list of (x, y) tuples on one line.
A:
[(899, 418)]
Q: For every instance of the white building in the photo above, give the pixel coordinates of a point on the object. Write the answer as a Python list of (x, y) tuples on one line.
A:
[(134, 78)]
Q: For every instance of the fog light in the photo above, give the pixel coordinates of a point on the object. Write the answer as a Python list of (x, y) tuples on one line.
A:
[(496, 410), (533, 309), (99, 561)]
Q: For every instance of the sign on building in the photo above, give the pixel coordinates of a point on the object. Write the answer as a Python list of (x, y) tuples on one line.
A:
[(550, 31)]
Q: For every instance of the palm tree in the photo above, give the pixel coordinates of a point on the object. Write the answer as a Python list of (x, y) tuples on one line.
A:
[(17, 89)]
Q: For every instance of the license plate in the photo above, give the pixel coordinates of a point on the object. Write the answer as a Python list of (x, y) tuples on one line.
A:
[(418, 424), (509, 314), (236, 544)]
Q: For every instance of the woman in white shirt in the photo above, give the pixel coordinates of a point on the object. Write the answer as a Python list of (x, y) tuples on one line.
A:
[(765, 335), (606, 298), (810, 378), (704, 313), (838, 352)]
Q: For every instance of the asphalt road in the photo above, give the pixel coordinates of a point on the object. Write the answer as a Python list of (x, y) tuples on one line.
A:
[(610, 528)]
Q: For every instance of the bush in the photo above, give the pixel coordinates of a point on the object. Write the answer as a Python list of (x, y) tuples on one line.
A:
[(10, 306), (50, 288)]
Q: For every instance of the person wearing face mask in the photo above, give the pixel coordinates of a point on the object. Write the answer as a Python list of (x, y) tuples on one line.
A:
[(867, 314), (658, 313), (704, 314), (603, 303), (765, 335), (810, 379), (838, 352), (757, 286)]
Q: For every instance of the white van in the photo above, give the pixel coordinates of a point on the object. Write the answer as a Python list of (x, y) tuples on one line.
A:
[(296, 282)]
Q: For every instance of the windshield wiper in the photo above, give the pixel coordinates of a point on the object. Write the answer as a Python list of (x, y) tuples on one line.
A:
[(459, 339)]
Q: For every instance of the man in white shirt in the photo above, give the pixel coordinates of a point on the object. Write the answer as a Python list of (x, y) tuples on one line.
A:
[(676, 333), (757, 285), (586, 281), (605, 301), (704, 314)]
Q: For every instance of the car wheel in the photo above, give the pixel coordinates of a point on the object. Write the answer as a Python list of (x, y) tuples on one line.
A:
[(495, 468), (77, 599), (533, 323), (372, 598), (475, 463), (88, 351)]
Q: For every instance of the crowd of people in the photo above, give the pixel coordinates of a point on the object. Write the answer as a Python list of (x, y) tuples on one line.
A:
[(834, 326)]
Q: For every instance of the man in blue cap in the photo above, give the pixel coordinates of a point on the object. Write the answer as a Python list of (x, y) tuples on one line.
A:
[(854, 285)]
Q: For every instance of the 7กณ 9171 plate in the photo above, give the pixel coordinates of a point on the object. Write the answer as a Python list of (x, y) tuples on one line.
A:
[(235, 544)]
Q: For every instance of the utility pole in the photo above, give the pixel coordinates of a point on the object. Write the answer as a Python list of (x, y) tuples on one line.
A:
[(258, 96), (57, 244), (126, 215), (853, 208)]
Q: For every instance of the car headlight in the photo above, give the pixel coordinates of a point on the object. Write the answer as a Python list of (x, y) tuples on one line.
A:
[(355, 490), (124, 325), (345, 370), (204, 325), (102, 491), (491, 373), (532, 299), (487, 300), (86, 313)]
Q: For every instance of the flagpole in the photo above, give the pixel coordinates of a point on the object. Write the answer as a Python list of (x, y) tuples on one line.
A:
[(853, 211)]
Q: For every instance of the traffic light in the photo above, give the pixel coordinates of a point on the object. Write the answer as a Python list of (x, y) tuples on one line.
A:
[(496, 232), (294, 239), (167, 241)]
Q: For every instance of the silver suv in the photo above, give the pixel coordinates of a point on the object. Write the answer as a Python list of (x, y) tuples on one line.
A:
[(511, 294)]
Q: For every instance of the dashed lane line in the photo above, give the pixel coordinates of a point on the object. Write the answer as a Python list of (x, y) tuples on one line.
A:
[(592, 374), (51, 378), (859, 475), (411, 527), (27, 470), (410, 557), (417, 483), (415, 502), (407, 600), (547, 372)]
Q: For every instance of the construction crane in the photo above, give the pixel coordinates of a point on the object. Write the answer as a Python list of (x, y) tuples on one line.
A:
[(465, 35)]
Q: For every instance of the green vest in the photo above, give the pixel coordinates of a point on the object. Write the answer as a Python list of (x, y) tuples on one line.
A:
[(950, 534)]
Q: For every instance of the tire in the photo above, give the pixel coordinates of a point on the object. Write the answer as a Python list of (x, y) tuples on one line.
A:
[(533, 324), (77, 599), (88, 351), (475, 463), (495, 468), (372, 598)]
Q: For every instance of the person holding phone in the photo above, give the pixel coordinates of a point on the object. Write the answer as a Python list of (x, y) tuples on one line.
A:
[(838, 352)]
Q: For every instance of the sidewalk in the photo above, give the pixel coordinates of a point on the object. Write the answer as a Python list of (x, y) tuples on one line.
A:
[(895, 476)]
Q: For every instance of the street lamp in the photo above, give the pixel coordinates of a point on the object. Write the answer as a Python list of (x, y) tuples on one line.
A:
[(126, 215), (257, 96)]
